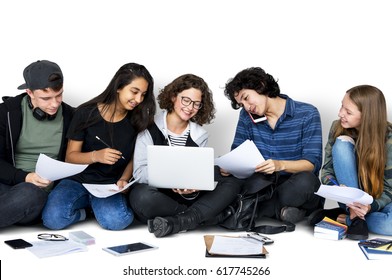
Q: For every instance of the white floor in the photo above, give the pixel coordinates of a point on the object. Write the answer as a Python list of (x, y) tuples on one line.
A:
[(296, 254)]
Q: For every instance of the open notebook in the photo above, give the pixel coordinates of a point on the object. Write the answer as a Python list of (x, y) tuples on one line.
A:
[(181, 167)]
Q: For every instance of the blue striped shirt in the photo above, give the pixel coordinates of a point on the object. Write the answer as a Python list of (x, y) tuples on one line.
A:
[(297, 134)]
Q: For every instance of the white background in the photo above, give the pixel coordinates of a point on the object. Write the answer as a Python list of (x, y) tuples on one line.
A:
[(316, 49)]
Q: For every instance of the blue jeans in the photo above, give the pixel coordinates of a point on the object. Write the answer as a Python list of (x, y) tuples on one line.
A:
[(67, 203), (345, 167), (345, 163)]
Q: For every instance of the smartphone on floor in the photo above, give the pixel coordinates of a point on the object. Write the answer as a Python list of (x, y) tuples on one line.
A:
[(18, 243)]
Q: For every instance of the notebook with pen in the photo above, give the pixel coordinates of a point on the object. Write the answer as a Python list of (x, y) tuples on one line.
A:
[(234, 247), (181, 167)]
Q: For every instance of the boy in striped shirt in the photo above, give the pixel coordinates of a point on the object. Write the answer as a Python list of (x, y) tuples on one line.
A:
[(290, 140)]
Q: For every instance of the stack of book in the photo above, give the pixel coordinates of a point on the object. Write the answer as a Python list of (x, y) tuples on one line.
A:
[(376, 248), (330, 229)]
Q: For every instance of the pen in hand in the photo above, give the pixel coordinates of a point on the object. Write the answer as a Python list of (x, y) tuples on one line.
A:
[(103, 142), (332, 180)]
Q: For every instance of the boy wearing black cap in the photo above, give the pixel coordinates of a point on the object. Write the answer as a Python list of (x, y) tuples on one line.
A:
[(31, 123)]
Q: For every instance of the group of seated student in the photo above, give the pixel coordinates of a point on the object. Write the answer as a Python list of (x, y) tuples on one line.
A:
[(358, 153)]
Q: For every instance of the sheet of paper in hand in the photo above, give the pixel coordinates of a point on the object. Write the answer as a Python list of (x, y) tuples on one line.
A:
[(242, 161), (106, 190), (346, 195), (53, 170)]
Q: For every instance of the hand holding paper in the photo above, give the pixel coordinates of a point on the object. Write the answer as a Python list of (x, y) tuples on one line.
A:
[(242, 161), (346, 195), (53, 170), (105, 190)]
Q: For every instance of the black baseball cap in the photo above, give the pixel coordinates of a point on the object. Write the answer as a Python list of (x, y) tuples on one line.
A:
[(37, 75)]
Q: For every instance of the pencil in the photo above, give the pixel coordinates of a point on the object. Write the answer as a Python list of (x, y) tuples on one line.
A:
[(106, 144)]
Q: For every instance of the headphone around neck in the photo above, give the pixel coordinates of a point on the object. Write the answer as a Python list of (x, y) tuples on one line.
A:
[(38, 113)]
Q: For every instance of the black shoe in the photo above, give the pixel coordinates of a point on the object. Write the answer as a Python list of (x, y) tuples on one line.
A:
[(150, 225), (292, 214), (160, 226), (358, 230), (163, 226), (320, 214)]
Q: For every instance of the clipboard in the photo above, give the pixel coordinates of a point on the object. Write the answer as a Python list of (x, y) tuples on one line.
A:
[(209, 240)]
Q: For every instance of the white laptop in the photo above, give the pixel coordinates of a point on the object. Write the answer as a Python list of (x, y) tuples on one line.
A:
[(181, 167)]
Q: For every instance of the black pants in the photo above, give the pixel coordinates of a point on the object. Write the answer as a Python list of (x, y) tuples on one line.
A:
[(21, 204), (296, 190), (148, 202)]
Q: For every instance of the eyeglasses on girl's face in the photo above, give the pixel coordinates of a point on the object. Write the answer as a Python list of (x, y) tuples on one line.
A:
[(186, 101)]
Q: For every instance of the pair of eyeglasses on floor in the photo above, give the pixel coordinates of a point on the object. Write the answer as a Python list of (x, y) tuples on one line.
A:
[(51, 237)]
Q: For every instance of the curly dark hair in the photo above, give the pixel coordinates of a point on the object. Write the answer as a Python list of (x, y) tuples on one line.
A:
[(165, 98), (251, 78)]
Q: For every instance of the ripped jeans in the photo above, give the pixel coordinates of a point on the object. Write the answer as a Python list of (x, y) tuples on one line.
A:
[(346, 172)]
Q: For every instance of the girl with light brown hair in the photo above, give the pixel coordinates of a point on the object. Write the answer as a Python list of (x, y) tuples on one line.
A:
[(359, 155)]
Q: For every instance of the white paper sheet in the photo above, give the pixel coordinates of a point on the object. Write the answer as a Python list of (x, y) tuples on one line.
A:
[(223, 245), (242, 161), (346, 195), (53, 170), (44, 249), (106, 190)]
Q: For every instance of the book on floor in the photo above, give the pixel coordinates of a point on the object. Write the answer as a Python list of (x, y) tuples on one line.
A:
[(330, 229), (376, 248)]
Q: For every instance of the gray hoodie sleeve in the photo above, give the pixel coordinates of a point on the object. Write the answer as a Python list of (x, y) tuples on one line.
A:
[(199, 134), (140, 156)]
